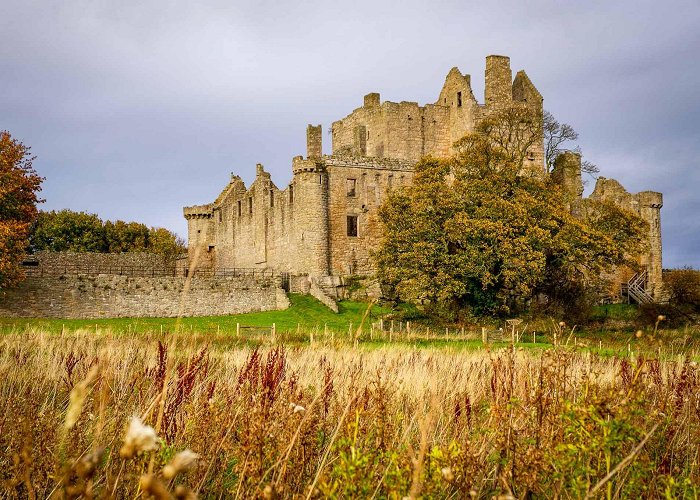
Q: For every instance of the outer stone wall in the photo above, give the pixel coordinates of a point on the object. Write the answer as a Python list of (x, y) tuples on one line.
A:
[(121, 296), (94, 262)]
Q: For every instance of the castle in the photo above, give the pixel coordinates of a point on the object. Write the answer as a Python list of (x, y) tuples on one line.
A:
[(325, 225)]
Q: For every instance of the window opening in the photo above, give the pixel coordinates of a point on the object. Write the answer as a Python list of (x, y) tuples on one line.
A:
[(250, 205), (459, 99), (352, 225), (352, 187)]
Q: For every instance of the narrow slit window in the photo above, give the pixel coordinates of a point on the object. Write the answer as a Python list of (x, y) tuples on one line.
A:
[(291, 193), (240, 208), (352, 225), (250, 205), (352, 187), (272, 198), (459, 99)]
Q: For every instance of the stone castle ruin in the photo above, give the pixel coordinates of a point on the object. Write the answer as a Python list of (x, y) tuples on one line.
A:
[(324, 224)]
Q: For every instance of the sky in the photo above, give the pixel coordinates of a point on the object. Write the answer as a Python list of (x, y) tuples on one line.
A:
[(135, 109)]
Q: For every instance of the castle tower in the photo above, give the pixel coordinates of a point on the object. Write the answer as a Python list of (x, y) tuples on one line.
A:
[(650, 204), (310, 185), (499, 81), (567, 173), (314, 141)]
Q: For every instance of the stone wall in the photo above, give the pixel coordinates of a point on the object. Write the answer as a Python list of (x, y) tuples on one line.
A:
[(302, 229), (95, 263), (122, 296), (374, 179)]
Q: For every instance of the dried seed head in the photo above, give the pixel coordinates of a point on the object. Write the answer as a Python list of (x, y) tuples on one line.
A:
[(139, 438), (181, 462), (447, 474), (296, 408), (639, 334), (151, 485), (77, 397), (184, 493), (661, 317), (562, 324), (85, 467)]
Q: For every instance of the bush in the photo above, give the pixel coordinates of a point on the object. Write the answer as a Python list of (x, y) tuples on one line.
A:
[(683, 285)]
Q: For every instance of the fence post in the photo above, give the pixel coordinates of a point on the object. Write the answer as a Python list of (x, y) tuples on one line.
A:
[(238, 330), (484, 337), (274, 329)]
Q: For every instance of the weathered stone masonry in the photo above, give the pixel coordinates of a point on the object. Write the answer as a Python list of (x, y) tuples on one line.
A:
[(114, 296), (324, 223)]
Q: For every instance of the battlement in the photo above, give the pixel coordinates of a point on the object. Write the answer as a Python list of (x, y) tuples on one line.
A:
[(198, 211), (651, 199)]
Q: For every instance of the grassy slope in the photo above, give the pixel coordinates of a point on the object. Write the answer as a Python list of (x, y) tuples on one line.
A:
[(305, 311)]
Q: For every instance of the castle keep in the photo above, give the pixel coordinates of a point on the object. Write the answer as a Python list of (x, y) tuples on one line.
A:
[(324, 223)]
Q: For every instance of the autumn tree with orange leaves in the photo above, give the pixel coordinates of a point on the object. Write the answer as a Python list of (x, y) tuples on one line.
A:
[(19, 185)]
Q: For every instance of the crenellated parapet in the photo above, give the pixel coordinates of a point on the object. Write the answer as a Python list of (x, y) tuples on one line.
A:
[(198, 211), (301, 164)]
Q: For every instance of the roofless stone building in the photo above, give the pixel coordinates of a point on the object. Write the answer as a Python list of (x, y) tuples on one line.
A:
[(324, 224)]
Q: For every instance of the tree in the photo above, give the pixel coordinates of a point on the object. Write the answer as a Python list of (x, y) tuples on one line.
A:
[(68, 231), (556, 138), (166, 243), (476, 232), (19, 185)]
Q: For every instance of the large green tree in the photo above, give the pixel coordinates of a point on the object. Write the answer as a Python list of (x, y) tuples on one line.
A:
[(69, 231), (19, 185), (478, 232)]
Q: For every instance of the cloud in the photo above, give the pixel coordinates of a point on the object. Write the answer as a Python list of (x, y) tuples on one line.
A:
[(135, 109)]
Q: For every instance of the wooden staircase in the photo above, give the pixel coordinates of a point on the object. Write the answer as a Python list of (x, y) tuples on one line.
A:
[(636, 289)]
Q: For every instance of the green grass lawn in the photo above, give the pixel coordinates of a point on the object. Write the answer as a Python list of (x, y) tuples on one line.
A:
[(305, 313), (307, 316)]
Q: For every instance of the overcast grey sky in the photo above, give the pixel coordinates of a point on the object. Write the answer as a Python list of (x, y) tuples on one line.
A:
[(137, 108)]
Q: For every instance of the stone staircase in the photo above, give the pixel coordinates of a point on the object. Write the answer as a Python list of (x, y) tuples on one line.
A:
[(635, 289)]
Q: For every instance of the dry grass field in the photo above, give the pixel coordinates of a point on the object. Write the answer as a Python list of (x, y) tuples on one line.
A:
[(90, 415)]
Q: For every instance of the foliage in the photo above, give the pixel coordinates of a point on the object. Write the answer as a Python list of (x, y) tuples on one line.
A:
[(321, 421), (69, 231), (683, 286), (556, 137), (478, 232), (683, 307), (19, 185)]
